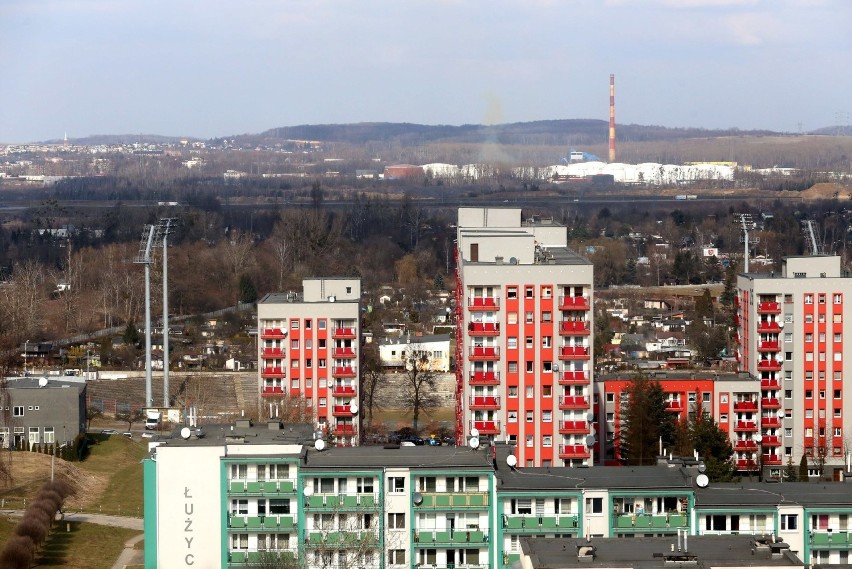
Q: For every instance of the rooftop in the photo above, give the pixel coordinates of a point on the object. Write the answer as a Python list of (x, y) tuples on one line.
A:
[(426, 456)]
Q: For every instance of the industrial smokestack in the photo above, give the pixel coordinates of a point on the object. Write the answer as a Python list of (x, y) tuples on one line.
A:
[(612, 118)]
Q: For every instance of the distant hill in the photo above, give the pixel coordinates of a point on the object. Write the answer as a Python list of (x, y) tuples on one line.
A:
[(549, 132), (96, 139)]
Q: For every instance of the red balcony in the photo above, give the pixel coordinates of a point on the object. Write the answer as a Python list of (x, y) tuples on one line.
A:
[(483, 303), (568, 402), (272, 352), (771, 441), (573, 427), (769, 365), (574, 327), (486, 427), (484, 402), (485, 378), (574, 451), (483, 328), (343, 353), (770, 422), (272, 372), (574, 378), (343, 429), (674, 405), (736, 320), (772, 459), (483, 353), (769, 308), (273, 334), (745, 406), (747, 445), (773, 346), (768, 327), (573, 302), (745, 427), (769, 384), (343, 333), (343, 371), (342, 411), (270, 391), (770, 403), (573, 353), (747, 464), (343, 391)]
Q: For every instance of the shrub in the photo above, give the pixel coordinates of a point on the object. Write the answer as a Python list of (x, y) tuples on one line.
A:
[(18, 553), (33, 528)]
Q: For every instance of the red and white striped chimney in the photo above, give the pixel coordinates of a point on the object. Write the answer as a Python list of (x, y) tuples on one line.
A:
[(612, 118)]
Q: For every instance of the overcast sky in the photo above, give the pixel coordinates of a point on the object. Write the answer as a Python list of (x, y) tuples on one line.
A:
[(209, 68)]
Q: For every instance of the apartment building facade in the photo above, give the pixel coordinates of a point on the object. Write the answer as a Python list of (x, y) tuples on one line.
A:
[(524, 337), (791, 332), (309, 347), (263, 496)]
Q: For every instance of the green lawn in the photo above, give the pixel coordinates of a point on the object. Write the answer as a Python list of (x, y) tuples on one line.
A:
[(118, 457), (86, 546)]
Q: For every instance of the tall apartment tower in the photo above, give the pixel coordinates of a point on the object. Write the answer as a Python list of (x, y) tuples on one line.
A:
[(308, 353), (791, 331), (524, 337)]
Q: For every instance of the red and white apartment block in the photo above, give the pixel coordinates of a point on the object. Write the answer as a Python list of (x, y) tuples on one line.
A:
[(309, 350), (524, 337)]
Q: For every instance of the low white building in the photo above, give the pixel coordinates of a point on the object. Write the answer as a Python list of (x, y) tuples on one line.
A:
[(395, 352)]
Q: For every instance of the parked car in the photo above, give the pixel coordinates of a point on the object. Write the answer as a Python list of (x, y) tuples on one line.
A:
[(412, 439)]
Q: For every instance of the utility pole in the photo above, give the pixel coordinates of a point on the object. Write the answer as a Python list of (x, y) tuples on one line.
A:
[(145, 257), (165, 228), (746, 224)]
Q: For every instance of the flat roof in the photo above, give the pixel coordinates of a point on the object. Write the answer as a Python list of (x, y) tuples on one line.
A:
[(33, 382), (747, 495), (424, 456), (220, 434), (646, 552), (611, 477), (678, 376)]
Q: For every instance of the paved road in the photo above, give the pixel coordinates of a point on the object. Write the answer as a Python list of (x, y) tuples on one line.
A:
[(129, 556)]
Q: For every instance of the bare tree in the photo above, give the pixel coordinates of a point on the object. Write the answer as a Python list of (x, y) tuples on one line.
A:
[(373, 380), (419, 383)]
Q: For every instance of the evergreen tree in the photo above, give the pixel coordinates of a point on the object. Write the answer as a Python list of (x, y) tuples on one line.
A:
[(645, 421), (248, 292), (791, 474), (131, 334), (803, 469), (713, 446)]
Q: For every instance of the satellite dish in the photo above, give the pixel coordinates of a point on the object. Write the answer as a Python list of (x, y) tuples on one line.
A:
[(555, 367), (512, 460), (42, 382), (780, 324), (185, 433), (474, 432), (319, 444), (702, 467), (702, 480), (780, 413), (513, 260), (757, 438), (308, 491), (590, 417), (354, 408), (473, 442), (418, 498), (590, 440)]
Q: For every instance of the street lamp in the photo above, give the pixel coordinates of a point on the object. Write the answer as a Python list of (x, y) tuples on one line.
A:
[(759, 440), (26, 349)]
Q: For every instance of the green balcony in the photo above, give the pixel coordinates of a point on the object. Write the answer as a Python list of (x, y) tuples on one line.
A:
[(261, 488), (529, 523), (333, 538), (834, 539), (239, 522), (449, 501), (271, 558), (447, 538), (342, 502), (648, 521)]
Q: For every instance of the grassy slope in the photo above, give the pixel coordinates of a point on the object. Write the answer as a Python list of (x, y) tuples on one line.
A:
[(117, 458)]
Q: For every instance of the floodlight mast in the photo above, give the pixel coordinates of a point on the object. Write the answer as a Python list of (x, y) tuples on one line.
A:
[(746, 223), (164, 229), (149, 237)]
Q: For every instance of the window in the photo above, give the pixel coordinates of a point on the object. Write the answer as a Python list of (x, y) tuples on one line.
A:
[(239, 507), (838, 413), (294, 324), (547, 441), (788, 356), (513, 367), (512, 318), (837, 431), (529, 292), (788, 432), (529, 390), (279, 506), (822, 299), (34, 435), (396, 484), (610, 417), (788, 337), (594, 505), (723, 418), (789, 522), (530, 416), (530, 441), (788, 451), (546, 316), (396, 521), (547, 341), (294, 344), (705, 397), (838, 337), (513, 391), (512, 292), (18, 411), (809, 337), (239, 541), (546, 292), (530, 367), (529, 317), (838, 356), (838, 318), (529, 342), (809, 299), (838, 299), (48, 435), (547, 367), (307, 324), (396, 557), (822, 393), (239, 471), (512, 416), (546, 416), (837, 394), (321, 324), (809, 318), (323, 363), (547, 391), (610, 397), (322, 401), (309, 362), (723, 399), (512, 343), (364, 485)]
